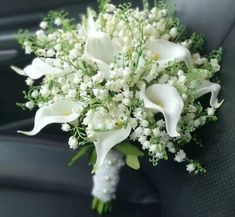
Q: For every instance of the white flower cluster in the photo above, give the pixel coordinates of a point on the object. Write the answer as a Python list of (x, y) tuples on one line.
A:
[(121, 75)]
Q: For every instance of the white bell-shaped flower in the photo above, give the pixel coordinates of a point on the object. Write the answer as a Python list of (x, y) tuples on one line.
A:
[(37, 69), (106, 140), (59, 112), (167, 53), (210, 87), (165, 99)]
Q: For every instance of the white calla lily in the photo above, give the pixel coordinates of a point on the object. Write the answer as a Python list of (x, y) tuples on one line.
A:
[(165, 99), (37, 69), (101, 49), (210, 87), (167, 53), (106, 140), (59, 112)]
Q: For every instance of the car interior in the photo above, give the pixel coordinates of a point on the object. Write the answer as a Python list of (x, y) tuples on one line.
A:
[(35, 180)]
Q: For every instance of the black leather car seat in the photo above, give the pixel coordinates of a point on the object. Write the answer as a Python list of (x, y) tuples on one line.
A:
[(35, 181)]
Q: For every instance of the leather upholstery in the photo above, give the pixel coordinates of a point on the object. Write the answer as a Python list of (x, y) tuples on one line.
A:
[(35, 180), (35, 172)]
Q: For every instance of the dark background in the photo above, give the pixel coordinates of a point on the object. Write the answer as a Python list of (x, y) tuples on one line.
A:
[(34, 177)]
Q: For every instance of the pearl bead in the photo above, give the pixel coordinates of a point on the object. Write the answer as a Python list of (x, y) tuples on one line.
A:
[(110, 162), (107, 178)]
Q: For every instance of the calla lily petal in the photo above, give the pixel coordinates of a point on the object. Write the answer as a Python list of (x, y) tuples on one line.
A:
[(168, 53), (100, 48), (107, 140), (91, 26), (38, 68), (18, 71), (165, 99), (59, 112), (210, 87), (103, 67)]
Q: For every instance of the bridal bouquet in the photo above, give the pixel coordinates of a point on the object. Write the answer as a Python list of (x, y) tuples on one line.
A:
[(124, 83)]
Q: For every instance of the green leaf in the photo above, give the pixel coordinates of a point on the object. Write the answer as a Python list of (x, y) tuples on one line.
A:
[(92, 157), (133, 162), (128, 149), (79, 154)]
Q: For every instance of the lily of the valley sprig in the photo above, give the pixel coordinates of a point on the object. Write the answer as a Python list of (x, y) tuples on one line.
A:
[(123, 80)]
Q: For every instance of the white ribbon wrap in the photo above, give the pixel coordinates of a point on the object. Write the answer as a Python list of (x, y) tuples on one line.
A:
[(106, 177)]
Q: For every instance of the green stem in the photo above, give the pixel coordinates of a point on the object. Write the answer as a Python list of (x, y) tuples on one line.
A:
[(102, 4), (155, 3), (101, 207), (145, 4)]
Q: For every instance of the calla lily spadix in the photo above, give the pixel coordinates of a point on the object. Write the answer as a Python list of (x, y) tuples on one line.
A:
[(37, 69), (167, 53), (210, 87), (106, 140), (59, 112), (165, 99)]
